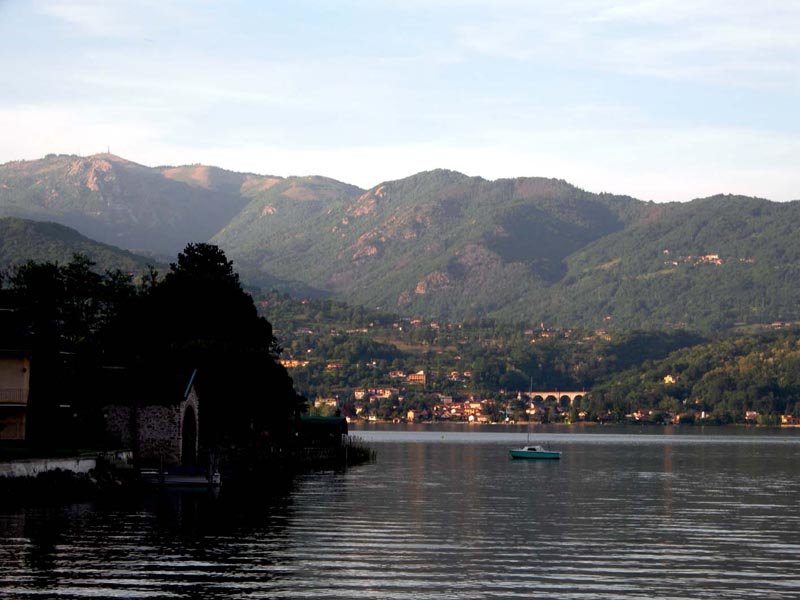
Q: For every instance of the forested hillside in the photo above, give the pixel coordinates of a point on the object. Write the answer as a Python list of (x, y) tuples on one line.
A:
[(709, 264), (436, 243), (718, 381), (440, 244), (22, 240)]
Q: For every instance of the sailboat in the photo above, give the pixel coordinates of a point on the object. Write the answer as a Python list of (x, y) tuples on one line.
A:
[(534, 451)]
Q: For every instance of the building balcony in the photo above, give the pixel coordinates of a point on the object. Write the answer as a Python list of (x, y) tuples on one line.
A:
[(13, 397)]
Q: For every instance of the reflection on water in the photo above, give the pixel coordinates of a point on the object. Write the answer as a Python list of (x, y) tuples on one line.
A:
[(446, 514)]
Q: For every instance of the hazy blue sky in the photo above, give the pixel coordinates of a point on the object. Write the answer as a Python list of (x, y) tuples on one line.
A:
[(660, 99)]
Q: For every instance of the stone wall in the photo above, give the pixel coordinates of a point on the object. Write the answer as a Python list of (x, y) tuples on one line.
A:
[(35, 466), (153, 431), (159, 434), (119, 425)]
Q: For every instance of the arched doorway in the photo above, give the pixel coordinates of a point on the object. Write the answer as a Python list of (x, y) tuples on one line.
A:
[(189, 437)]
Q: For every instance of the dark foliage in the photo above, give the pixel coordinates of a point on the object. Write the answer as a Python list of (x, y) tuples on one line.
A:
[(78, 324)]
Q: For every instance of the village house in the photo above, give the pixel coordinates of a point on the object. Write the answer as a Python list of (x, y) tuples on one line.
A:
[(374, 394), (15, 367), (418, 377), (473, 408), (417, 415), (713, 259), (456, 410), (293, 363), (326, 402)]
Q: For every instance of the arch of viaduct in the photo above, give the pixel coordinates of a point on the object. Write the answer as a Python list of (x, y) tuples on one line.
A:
[(561, 397)]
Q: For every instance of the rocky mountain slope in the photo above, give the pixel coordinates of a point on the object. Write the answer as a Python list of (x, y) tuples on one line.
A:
[(117, 201), (437, 242), (442, 244)]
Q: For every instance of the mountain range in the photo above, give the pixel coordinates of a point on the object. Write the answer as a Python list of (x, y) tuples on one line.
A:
[(439, 243)]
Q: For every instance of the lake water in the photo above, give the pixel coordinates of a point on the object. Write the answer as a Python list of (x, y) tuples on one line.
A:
[(444, 513)]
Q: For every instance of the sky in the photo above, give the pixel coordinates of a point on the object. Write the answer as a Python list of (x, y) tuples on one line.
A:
[(662, 100)]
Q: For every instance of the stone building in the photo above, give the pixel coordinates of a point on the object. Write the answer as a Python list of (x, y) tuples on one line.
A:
[(161, 428)]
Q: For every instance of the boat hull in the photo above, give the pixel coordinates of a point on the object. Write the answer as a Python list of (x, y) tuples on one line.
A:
[(540, 454)]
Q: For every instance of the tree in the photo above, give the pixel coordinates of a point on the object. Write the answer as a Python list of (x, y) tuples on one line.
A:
[(201, 303), (200, 317)]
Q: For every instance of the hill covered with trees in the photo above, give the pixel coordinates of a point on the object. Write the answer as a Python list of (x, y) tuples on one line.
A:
[(715, 382), (440, 244), (709, 264), (23, 240)]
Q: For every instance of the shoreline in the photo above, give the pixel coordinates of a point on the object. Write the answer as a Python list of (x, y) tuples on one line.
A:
[(639, 424)]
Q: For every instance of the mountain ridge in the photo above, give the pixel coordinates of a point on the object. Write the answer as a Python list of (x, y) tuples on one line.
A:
[(440, 243)]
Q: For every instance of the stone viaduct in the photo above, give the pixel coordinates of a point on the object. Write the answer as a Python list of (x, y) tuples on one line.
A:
[(561, 397)]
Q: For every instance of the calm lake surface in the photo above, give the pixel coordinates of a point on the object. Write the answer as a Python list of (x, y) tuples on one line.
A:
[(444, 513)]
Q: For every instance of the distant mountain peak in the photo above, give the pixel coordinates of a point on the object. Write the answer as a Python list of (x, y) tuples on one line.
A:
[(112, 158)]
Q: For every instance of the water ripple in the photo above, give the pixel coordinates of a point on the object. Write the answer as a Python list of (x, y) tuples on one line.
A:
[(435, 520)]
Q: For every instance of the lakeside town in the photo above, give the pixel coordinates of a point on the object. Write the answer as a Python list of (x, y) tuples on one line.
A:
[(372, 367), (385, 404)]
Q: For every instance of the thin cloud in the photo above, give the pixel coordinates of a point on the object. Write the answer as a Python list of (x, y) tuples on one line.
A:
[(129, 19), (660, 99), (92, 17), (726, 43)]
